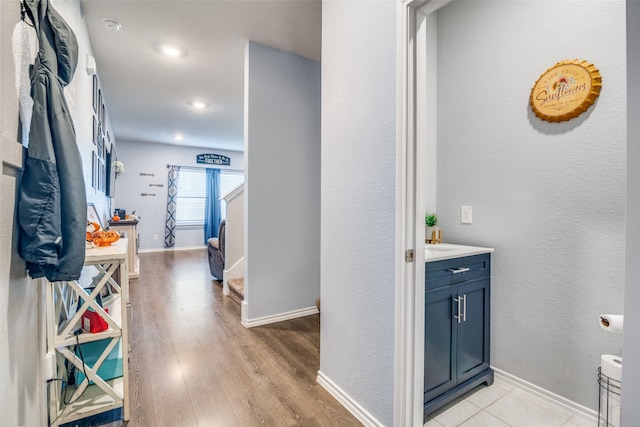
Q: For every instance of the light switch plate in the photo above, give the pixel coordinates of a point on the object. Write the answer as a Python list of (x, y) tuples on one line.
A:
[(466, 215)]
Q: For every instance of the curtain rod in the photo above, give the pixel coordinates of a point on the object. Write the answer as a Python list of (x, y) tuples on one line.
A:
[(204, 167)]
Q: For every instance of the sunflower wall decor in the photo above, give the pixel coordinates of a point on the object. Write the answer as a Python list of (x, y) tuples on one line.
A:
[(565, 90)]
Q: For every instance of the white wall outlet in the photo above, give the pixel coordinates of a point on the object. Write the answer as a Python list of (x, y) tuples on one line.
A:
[(50, 365), (465, 215), (155, 237)]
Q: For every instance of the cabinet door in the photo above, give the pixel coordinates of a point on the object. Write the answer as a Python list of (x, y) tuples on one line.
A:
[(473, 332), (439, 342)]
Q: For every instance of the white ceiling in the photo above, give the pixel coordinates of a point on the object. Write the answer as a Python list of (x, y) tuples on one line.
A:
[(147, 94)]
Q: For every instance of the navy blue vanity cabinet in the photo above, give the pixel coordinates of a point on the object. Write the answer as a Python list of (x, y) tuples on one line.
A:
[(456, 347)]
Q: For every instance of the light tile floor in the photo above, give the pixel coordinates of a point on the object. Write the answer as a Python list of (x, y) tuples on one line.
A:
[(502, 405)]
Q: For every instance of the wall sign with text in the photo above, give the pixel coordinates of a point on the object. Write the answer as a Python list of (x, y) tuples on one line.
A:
[(213, 159), (565, 90)]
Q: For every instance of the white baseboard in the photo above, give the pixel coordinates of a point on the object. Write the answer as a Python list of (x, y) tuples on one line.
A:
[(243, 314), (280, 317), (183, 248), (351, 405), (548, 396)]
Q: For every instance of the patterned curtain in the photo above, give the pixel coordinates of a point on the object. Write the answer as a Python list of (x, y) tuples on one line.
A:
[(172, 194)]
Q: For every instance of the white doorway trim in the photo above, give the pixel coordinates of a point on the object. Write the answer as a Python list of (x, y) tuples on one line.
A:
[(410, 207), (631, 344)]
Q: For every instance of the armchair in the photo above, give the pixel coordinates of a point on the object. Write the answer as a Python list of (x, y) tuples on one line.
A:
[(215, 252)]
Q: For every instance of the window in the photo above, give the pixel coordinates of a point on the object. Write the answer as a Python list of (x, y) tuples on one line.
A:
[(192, 196), (228, 181)]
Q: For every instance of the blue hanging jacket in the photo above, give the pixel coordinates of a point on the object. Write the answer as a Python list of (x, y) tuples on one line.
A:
[(52, 209)]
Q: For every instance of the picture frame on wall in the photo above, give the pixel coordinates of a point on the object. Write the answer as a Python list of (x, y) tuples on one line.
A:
[(103, 118), (94, 169), (103, 177), (100, 183), (110, 160), (92, 214), (95, 93), (98, 106), (95, 130), (100, 146)]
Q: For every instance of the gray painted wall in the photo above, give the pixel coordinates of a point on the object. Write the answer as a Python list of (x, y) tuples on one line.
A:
[(21, 341), (358, 201), (631, 353), (549, 197), (282, 181), (79, 95), (144, 157)]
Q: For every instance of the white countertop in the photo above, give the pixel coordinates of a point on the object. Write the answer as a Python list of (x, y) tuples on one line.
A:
[(441, 251)]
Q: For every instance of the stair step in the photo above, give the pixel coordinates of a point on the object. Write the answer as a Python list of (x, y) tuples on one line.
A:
[(236, 289)]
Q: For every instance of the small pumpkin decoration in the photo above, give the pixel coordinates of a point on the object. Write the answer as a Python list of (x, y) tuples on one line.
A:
[(92, 227)]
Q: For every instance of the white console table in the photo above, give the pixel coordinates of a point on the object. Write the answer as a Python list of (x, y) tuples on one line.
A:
[(130, 230), (93, 395)]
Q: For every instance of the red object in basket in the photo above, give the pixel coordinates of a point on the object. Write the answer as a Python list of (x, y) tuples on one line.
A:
[(93, 322)]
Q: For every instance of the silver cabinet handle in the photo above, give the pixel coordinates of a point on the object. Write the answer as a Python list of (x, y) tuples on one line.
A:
[(458, 300), (459, 270), (464, 309)]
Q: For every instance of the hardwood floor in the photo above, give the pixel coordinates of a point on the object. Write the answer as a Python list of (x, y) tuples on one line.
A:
[(193, 364)]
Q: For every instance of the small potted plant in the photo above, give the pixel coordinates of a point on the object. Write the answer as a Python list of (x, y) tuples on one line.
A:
[(431, 225)]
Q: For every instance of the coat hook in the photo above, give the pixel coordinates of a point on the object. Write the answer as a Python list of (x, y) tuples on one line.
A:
[(24, 13)]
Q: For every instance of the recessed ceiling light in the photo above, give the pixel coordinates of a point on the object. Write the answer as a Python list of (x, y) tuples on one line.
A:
[(111, 24), (198, 105), (172, 51), (178, 137)]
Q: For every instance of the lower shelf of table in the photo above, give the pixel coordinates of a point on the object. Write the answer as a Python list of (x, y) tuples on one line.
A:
[(93, 401)]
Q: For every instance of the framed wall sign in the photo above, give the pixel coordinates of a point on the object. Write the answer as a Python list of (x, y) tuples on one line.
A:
[(565, 90), (213, 159)]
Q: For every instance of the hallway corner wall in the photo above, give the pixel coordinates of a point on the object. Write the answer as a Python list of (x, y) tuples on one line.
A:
[(282, 182), (359, 98)]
